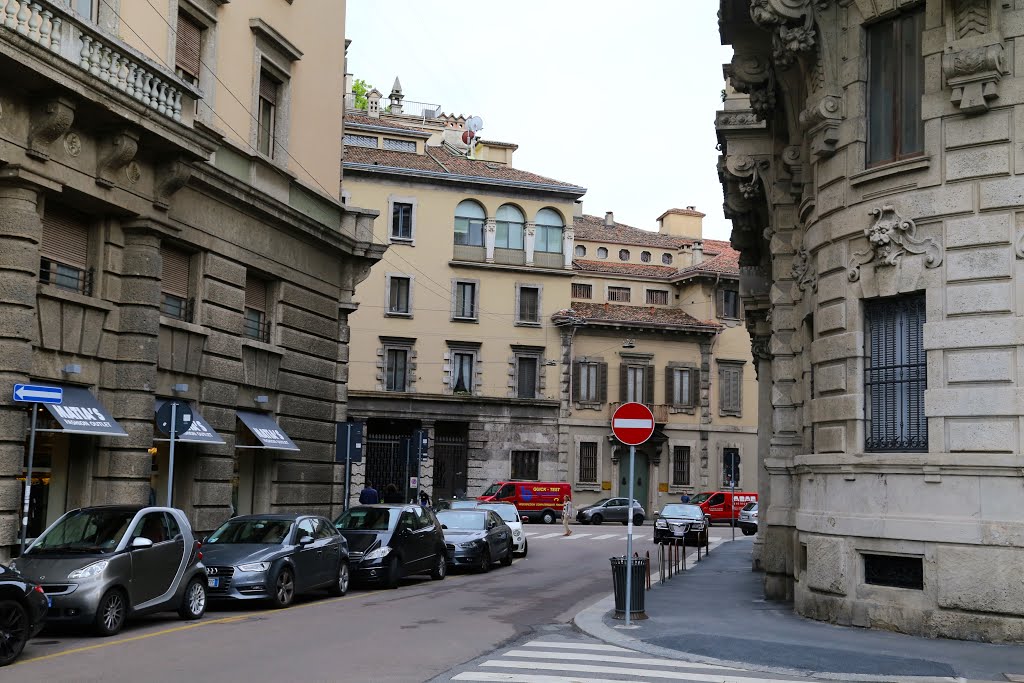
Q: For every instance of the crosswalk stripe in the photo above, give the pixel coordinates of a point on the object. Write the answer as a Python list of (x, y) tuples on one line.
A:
[(502, 677), (575, 646), (551, 535), (575, 535), (611, 659), (624, 671), (604, 536)]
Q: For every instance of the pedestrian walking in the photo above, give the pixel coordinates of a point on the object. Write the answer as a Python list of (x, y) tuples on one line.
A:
[(369, 495), (566, 514), (391, 495), (424, 499), (685, 498)]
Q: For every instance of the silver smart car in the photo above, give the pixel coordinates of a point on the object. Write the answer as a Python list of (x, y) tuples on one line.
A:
[(101, 565)]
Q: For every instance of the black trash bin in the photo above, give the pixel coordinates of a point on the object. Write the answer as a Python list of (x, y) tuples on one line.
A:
[(637, 587)]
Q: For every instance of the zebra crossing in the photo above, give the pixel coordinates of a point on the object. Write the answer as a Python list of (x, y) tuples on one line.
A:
[(577, 661), (639, 536)]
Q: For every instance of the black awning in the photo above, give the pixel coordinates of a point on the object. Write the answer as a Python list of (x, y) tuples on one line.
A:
[(265, 428), (80, 413), (199, 432)]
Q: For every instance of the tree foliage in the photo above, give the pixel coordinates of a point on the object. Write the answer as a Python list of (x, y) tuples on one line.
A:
[(360, 88)]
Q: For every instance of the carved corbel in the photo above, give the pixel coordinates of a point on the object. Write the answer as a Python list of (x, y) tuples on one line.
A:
[(792, 25), (752, 74), (890, 237), (974, 75), (116, 151), (804, 272), (50, 119), (821, 121), (171, 176)]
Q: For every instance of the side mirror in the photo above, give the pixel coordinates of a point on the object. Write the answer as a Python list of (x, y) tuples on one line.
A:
[(444, 526), (305, 540), (141, 542)]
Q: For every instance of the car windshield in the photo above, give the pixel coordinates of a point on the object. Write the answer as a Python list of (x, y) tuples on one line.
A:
[(463, 505), (462, 520), (749, 506), (700, 498), (681, 510), (87, 531), (506, 512), (600, 502), (491, 490), (260, 531), (368, 519)]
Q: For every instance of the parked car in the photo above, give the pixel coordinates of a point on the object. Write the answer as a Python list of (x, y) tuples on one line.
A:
[(748, 519), (535, 500), (610, 510), (389, 542), (510, 515), (275, 557), (679, 521), (456, 505), (723, 506), (476, 538), (23, 606), (102, 565)]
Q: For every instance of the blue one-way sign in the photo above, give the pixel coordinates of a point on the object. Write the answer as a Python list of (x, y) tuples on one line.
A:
[(29, 393)]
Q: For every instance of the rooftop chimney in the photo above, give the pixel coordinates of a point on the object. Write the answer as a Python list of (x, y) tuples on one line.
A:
[(698, 252), (681, 223), (373, 104), (609, 219), (577, 209)]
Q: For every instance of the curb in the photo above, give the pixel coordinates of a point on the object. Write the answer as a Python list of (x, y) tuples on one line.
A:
[(591, 622)]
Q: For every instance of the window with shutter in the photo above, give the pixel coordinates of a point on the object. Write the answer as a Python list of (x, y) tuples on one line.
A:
[(657, 297), (64, 250), (529, 305), (619, 294), (256, 325), (730, 394), (678, 386), (526, 376), (396, 364), (681, 466), (188, 47), (267, 114), (602, 382), (582, 291), (588, 462), (895, 84), (175, 273), (639, 384)]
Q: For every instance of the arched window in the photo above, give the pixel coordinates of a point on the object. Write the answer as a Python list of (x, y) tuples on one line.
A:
[(623, 254), (602, 252), (549, 231), (645, 256), (509, 232), (581, 251), (469, 223), (666, 259)]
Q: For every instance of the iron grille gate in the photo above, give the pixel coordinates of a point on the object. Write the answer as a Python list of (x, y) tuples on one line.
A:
[(451, 465), (386, 463), (896, 376)]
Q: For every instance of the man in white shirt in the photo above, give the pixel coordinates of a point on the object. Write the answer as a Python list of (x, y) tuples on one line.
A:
[(566, 516)]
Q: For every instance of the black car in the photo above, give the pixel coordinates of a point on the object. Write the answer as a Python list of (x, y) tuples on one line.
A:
[(476, 538), (23, 606), (275, 557), (389, 542), (682, 521)]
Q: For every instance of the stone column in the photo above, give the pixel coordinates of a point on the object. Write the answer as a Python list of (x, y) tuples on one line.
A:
[(531, 241), (123, 464), (490, 230), (568, 241), (20, 233), (427, 466), (759, 345)]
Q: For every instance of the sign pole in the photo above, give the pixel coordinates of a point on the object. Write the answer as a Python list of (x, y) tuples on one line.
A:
[(28, 478), (170, 457), (348, 464), (629, 534), (408, 447), (732, 489)]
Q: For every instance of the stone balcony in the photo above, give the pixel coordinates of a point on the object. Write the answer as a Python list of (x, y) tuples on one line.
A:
[(660, 411)]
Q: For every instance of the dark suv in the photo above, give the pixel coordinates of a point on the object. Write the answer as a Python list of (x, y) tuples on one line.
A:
[(389, 542)]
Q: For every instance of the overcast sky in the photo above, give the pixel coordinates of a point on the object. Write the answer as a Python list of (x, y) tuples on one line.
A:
[(618, 97)]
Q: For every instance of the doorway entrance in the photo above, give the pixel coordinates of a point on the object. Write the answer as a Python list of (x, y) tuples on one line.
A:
[(641, 472)]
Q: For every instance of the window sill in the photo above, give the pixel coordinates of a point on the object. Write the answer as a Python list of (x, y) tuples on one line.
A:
[(183, 325), (261, 346), (588, 405), (729, 413), (689, 410), (55, 292), (890, 169), (402, 240), (457, 319), (396, 314), (524, 323)]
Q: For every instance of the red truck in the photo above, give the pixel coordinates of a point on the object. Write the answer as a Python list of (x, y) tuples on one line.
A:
[(723, 506), (535, 500)]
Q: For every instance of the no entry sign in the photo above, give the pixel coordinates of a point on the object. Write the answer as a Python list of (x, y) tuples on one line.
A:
[(633, 423)]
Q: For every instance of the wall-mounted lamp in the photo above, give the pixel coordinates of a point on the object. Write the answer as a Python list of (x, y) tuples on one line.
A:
[(180, 388), (262, 399), (73, 369), (628, 344)]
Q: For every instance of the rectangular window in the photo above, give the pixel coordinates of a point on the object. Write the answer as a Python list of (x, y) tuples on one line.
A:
[(582, 291), (730, 389), (896, 571), (525, 465), (529, 305), (681, 466), (526, 376), (728, 303), (188, 48), (895, 88), (731, 467), (588, 388), (462, 372), (588, 462), (469, 231), (396, 364), (398, 295), (354, 140), (465, 300), (401, 221), (680, 387), (657, 297), (174, 283), (620, 294), (896, 374), (508, 235), (64, 251), (256, 325), (549, 239), (399, 145), (86, 9), (635, 383), (267, 115)]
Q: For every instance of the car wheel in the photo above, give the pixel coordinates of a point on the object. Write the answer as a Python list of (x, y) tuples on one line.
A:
[(526, 546), (193, 603), (284, 588), (340, 586), (548, 517), (485, 561), (596, 519), (506, 561), (394, 573), (747, 531), (638, 520), (111, 613), (440, 569), (13, 630)]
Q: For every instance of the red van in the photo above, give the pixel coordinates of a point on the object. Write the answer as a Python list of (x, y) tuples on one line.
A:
[(723, 506), (535, 500)]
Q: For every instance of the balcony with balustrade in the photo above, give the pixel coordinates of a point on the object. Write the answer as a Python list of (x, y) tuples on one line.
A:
[(660, 411)]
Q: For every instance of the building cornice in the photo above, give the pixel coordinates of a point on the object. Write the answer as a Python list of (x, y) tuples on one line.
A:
[(388, 130)]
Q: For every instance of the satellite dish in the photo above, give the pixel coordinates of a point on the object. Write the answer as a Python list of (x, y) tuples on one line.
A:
[(474, 123)]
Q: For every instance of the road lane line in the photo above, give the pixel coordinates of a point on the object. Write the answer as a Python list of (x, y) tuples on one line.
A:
[(575, 646), (499, 677), (624, 671), (612, 659)]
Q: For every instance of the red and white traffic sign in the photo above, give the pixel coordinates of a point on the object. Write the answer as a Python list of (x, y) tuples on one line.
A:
[(632, 423)]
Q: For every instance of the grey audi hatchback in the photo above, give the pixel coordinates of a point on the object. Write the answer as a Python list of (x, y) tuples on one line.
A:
[(101, 565)]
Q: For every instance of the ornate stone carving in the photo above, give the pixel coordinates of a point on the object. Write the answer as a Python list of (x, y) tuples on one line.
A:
[(133, 172), (51, 118), (974, 75), (891, 236), (821, 120), (970, 18), (117, 149), (781, 17), (804, 272), (171, 176), (73, 144), (1018, 245), (736, 119), (746, 170), (752, 74)]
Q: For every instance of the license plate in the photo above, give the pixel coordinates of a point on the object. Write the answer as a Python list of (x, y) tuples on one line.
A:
[(213, 582)]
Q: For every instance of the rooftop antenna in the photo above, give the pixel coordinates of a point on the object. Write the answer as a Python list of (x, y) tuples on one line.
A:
[(474, 124)]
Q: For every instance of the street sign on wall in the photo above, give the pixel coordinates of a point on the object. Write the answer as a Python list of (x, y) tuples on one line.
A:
[(30, 393), (633, 423)]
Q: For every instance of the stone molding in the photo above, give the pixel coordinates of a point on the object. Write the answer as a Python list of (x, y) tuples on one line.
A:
[(891, 236), (117, 150), (974, 76), (50, 119)]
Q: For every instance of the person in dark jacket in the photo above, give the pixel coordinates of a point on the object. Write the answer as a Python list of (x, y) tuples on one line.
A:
[(391, 495), (684, 498), (369, 495), (424, 499)]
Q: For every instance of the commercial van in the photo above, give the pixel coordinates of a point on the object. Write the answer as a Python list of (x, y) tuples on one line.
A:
[(535, 500), (723, 506)]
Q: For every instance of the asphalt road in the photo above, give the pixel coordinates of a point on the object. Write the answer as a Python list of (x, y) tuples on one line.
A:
[(414, 633)]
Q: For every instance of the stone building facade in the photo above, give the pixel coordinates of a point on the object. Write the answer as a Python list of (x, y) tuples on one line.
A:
[(871, 163), (159, 240)]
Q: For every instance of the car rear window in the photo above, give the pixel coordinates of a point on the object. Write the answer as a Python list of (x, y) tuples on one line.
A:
[(368, 519), (455, 519)]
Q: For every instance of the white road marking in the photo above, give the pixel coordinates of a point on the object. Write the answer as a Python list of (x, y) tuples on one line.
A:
[(493, 676), (612, 659), (576, 535), (624, 671), (603, 536), (551, 535), (575, 646)]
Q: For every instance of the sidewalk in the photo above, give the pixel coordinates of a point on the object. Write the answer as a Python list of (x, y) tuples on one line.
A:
[(716, 613)]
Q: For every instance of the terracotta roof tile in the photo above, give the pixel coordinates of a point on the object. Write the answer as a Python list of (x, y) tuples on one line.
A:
[(726, 263), (652, 315), (593, 228), (644, 269), (385, 157), (460, 165), (362, 119)]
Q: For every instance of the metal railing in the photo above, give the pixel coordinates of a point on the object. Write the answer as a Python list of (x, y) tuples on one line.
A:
[(63, 276), (660, 410), (257, 329)]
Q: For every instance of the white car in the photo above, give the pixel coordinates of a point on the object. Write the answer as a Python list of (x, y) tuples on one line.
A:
[(510, 515)]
